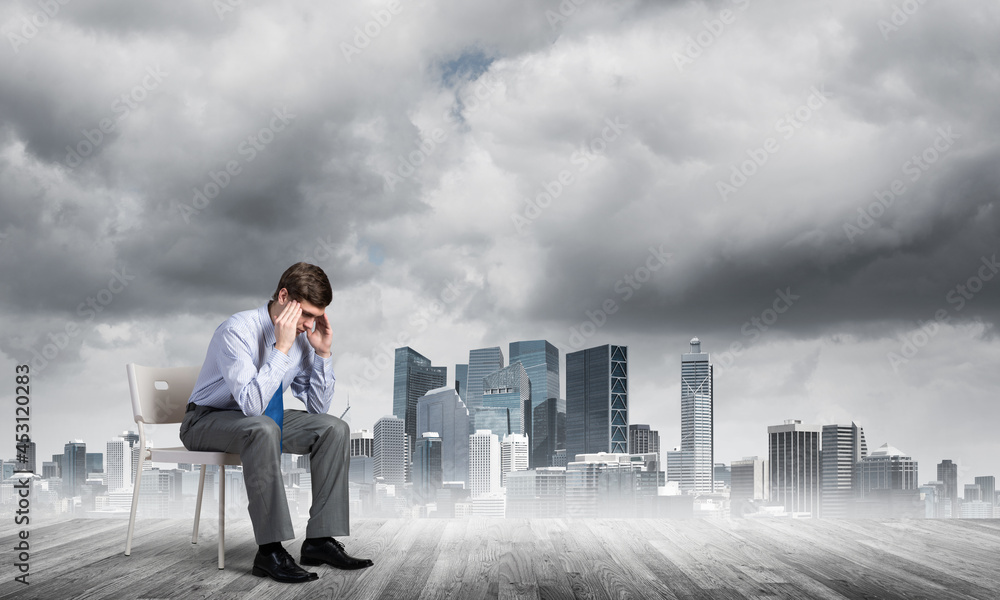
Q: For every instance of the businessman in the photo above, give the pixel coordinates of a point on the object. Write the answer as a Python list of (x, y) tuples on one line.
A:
[(236, 407)]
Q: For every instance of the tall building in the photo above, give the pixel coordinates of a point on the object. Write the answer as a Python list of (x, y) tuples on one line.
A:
[(548, 432), (843, 447), (750, 481), (887, 468), (30, 457), (443, 411), (119, 459), (597, 401), (362, 441), (413, 377), (461, 380), (482, 362), (988, 484), (494, 418), (427, 477), (541, 362), (389, 449), (643, 440), (74, 471), (509, 388), (794, 453), (484, 464), (947, 473), (697, 420), (95, 462), (972, 493), (513, 455)]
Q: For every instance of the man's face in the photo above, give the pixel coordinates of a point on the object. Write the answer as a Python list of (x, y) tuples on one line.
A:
[(310, 312)]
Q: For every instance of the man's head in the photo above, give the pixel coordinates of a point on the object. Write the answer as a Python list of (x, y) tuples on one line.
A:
[(308, 285)]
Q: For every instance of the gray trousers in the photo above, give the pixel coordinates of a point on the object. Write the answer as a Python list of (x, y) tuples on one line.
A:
[(325, 438)]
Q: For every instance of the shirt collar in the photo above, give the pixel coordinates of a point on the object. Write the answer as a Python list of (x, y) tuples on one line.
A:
[(266, 326)]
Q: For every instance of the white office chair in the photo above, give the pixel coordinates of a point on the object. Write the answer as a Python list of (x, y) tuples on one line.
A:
[(161, 396)]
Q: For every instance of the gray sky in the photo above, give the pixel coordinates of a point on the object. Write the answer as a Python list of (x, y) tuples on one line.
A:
[(471, 174)]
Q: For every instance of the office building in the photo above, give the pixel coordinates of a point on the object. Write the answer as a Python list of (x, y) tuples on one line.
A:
[(843, 447), (548, 428), (361, 442), (74, 470), (482, 362), (537, 493), (28, 452), (119, 465), (443, 412), (887, 468), (541, 362), (509, 388), (697, 420), (643, 440), (597, 401), (389, 450), (484, 464), (947, 473), (988, 485), (493, 418), (413, 377), (427, 477), (794, 454), (721, 476), (749, 484), (513, 455)]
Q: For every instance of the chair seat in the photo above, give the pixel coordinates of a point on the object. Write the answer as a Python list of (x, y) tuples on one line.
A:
[(181, 454)]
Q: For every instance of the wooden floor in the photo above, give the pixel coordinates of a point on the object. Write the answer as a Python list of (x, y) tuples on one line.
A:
[(486, 558)]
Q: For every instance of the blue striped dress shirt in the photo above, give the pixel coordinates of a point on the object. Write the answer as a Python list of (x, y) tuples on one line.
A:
[(243, 369)]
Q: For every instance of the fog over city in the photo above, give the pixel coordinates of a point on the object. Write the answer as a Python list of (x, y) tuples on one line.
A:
[(809, 188)]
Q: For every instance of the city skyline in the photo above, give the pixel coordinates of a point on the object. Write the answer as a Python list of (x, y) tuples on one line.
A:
[(478, 173)]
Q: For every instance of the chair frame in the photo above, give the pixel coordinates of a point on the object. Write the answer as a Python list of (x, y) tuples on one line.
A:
[(152, 405)]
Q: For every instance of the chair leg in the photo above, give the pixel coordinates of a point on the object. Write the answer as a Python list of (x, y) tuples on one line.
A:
[(222, 516), (135, 503), (197, 510)]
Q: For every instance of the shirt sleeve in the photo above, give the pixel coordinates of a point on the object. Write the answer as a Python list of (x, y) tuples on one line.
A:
[(315, 382), (252, 389)]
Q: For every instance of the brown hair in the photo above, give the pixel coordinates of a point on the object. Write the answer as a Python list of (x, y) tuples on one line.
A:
[(305, 282)]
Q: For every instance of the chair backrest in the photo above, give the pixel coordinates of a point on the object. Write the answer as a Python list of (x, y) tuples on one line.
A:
[(160, 395)]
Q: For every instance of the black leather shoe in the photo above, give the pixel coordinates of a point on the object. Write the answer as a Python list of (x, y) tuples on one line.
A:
[(331, 552), (280, 566)]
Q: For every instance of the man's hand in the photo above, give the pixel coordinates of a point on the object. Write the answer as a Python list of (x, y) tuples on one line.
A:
[(286, 326), (321, 337)]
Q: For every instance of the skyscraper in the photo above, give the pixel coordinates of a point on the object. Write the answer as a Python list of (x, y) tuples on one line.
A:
[(843, 447), (548, 432), (643, 440), (509, 388), (74, 471), (442, 411), (427, 477), (597, 401), (119, 459), (947, 473), (484, 463), (413, 377), (482, 362), (795, 466), (513, 455), (541, 362), (461, 380), (389, 450), (988, 484), (697, 420)]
